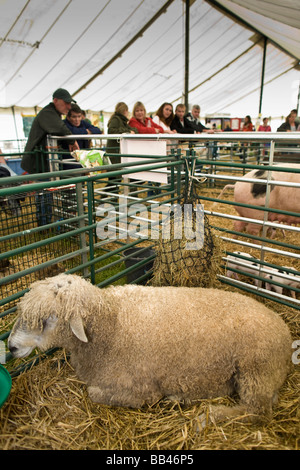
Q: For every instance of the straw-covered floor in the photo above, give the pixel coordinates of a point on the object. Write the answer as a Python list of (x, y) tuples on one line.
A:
[(49, 408)]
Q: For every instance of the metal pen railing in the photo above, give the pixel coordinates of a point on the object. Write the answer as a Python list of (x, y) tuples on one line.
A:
[(69, 240)]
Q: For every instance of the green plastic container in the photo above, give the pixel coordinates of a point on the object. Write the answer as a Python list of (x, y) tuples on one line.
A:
[(5, 385)]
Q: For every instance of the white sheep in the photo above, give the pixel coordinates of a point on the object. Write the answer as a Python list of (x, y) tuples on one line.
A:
[(134, 345)]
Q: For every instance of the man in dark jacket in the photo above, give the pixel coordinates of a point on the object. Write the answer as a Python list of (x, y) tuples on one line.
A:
[(194, 118), (47, 121), (4, 171), (180, 123)]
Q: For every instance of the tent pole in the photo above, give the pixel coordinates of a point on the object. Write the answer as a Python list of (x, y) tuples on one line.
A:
[(230, 14), (186, 54), (16, 128), (262, 75), (220, 70)]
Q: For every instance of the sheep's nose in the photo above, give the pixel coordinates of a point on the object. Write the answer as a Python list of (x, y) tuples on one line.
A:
[(13, 349)]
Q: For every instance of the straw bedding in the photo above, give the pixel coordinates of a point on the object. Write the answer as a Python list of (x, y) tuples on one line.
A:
[(49, 408)]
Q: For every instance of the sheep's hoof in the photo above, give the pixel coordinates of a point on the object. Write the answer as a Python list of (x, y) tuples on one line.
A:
[(201, 422), (237, 413)]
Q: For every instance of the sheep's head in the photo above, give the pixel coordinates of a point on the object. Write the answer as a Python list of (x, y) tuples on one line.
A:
[(49, 313), (24, 339)]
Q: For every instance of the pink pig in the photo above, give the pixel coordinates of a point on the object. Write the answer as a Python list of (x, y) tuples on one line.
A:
[(281, 197)]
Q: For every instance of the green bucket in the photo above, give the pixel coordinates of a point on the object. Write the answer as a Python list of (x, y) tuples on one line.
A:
[(5, 385)]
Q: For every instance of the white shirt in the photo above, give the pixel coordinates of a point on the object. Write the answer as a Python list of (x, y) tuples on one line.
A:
[(160, 123)]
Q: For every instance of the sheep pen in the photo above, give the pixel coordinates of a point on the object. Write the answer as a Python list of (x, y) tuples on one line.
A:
[(49, 409), (49, 400)]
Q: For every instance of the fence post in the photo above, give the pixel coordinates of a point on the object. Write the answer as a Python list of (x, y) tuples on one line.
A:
[(81, 224), (2, 352), (178, 172), (266, 213), (52, 158), (90, 194)]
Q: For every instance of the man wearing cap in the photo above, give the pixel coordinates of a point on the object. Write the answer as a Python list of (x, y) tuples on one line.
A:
[(47, 121)]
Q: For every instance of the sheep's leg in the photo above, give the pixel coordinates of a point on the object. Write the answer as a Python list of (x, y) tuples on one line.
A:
[(245, 413), (111, 397), (126, 397), (256, 392), (239, 412)]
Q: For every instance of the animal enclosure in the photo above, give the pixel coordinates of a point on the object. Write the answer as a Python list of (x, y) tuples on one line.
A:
[(83, 222), (76, 216)]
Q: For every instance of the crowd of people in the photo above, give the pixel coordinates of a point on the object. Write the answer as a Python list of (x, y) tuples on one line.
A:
[(291, 124), (166, 121)]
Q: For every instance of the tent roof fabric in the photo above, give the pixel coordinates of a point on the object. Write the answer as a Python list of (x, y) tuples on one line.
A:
[(280, 23), (106, 51)]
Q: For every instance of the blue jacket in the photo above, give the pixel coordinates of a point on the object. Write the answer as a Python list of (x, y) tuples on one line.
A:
[(82, 129)]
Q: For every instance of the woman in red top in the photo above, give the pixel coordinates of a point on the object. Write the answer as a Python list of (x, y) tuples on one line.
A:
[(143, 124), (264, 127)]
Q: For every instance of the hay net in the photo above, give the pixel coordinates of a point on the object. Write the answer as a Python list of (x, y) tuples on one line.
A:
[(188, 252)]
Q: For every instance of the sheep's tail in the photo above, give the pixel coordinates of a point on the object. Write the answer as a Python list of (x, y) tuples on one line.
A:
[(228, 186)]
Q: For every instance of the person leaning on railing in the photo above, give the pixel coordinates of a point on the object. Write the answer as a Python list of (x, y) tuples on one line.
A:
[(143, 123), (194, 117), (4, 171), (248, 126), (78, 125), (118, 124), (47, 121), (289, 124)]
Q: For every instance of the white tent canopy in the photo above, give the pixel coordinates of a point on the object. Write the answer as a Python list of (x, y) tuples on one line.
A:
[(105, 51)]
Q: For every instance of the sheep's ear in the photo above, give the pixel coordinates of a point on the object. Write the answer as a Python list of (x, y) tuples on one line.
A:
[(77, 327)]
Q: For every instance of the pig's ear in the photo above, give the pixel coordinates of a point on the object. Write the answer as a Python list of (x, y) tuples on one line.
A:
[(77, 327)]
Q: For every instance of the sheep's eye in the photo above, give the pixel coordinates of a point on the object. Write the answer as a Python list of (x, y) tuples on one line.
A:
[(49, 323)]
